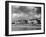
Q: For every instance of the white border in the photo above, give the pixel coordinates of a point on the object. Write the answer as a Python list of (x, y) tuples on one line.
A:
[(31, 31)]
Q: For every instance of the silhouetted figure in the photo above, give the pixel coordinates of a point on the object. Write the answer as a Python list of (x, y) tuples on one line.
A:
[(26, 21), (13, 23), (39, 22)]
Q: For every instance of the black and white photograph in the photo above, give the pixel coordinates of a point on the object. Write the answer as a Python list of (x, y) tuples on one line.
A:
[(25, 18)]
